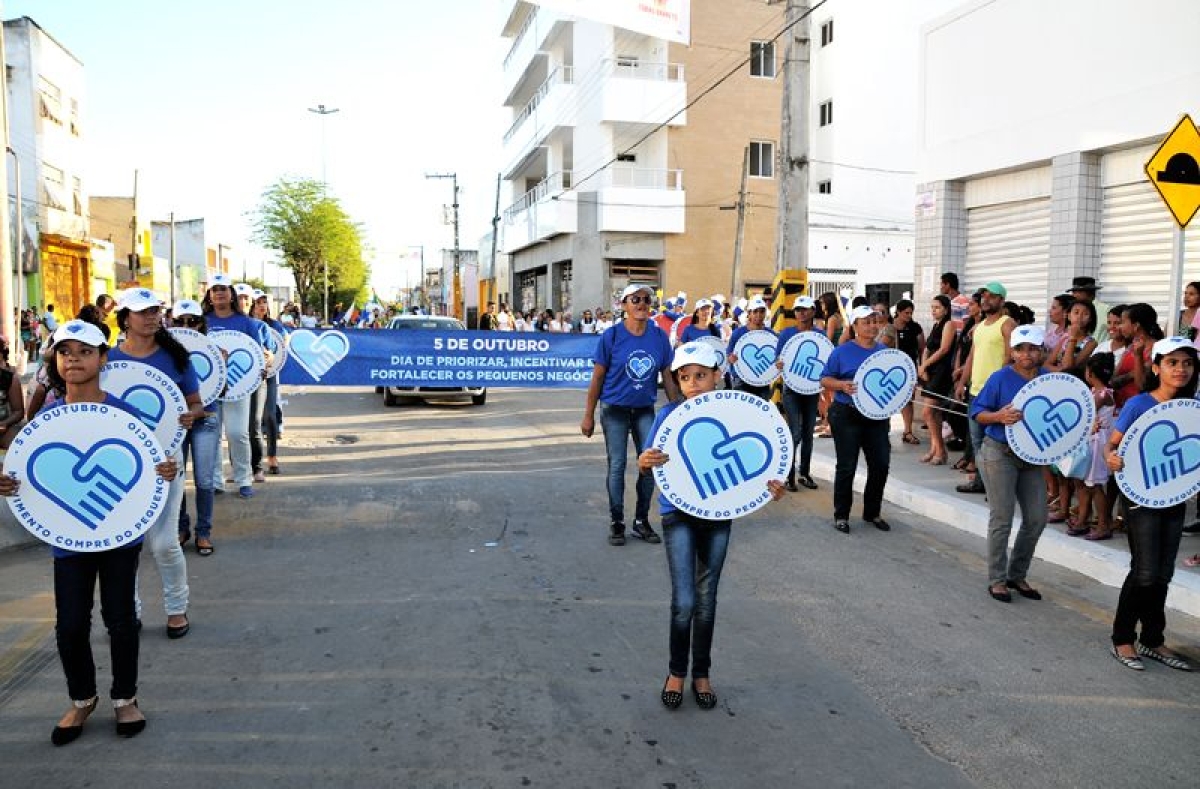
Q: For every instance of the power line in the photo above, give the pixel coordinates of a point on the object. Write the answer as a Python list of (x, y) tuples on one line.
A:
[(864, 167)]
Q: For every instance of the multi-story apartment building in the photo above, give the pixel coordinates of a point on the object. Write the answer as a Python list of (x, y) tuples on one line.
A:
[(45, 100)]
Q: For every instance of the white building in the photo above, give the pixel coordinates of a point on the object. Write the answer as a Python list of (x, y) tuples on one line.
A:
[(1036, 122), (45, 110)]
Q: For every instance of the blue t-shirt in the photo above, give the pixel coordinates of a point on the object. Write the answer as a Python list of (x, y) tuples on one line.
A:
[(235, 322), (844, 362), (997, 392), (160, 360), (692, 332), (1134, 407), (112, 402), (632, 364)]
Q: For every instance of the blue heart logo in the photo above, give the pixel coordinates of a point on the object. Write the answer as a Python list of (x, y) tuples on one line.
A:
[(758, 357), (75, 328), (1047, 422), (882, 386), (807, 362), (718, 461), (147, 402), (318, 353), (639, 366), (237, 364), (89, 484), (202, 365), (1167, 456)]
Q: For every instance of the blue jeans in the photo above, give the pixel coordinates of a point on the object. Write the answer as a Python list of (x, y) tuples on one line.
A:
[(619, 423), (695, 555), (203, 443), (853, 432), (267, 416), (801, 412), (1011, 482), (1154, 537)]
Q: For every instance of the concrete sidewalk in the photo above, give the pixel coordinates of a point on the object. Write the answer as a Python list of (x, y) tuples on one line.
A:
[(928, 491)]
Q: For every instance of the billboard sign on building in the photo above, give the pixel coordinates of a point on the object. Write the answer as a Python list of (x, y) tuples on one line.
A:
[(669, 19)]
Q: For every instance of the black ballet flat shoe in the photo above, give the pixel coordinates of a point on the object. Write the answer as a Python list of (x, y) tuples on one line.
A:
[(129, 728), (704, 700), (1028, 592), (879, 523), (671, 699), (179, 631), (1003, 597), (66, 734)]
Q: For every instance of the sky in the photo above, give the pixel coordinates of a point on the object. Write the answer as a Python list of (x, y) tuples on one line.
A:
[(208, 101)]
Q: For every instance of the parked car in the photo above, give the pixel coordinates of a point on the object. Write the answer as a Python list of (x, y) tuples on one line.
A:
[(393, 395)]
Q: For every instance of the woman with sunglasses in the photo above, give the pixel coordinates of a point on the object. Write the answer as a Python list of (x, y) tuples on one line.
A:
[(139, 318), (628, 360), (267, 397), (202, 443)]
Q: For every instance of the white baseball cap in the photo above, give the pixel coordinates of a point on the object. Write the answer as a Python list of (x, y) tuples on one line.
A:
[(858, 313), (1169, 345), (242, 289), (700, 353), (756, 303), (222, 280), (137, 299), (257, 294), (84, 332), (702, 303), (186, 307), (632, 289), (804, 303), (1032, 335)]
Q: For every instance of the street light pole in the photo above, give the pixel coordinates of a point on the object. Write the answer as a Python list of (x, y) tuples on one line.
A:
[(460, 311), (323, 111)]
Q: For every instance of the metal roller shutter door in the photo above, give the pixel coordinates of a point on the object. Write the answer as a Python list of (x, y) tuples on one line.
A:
[(1010, 243), (1135, 248)]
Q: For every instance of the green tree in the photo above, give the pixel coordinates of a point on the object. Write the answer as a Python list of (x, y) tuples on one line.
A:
[(310, 230)]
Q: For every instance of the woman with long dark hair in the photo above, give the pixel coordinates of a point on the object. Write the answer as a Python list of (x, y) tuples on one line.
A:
[(934, 372), (1139, 326), (202, 443), (265, 413)]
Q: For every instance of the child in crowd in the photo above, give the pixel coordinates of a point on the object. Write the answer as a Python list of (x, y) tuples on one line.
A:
[(1091, 488)]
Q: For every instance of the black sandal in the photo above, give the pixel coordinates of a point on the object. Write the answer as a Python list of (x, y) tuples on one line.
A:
[(704, 700), (671, 699)]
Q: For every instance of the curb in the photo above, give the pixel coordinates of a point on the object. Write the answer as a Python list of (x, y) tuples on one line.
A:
[(1107, 565)]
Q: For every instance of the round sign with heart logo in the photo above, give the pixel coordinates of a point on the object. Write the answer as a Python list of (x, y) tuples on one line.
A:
[(1161, 451), (244, 362), (207, 361), (724, 447), (755, 351), (86, 474), (1057, 414), (804, 356), (885, 384), (277, 344), (154, 397), (715, 342), (317, 352)]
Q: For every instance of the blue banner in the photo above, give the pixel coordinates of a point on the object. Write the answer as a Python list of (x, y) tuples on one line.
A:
[(414, 357)]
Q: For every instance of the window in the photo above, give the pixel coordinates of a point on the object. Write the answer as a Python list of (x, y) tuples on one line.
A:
[(825, 187), (826, 113), (762, 159), (762, 59), (50, 101), (827, 33), (77, 195)]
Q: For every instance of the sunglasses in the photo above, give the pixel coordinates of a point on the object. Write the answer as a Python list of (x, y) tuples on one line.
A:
[(189, 320), (638, 299)]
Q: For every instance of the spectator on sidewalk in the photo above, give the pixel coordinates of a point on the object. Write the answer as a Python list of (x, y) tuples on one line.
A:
[(852, 431), (910, 339), (1078, 343), (1084, 289), (800, 409), (934, 372), (12, 399), (1140, 329), (1056, 321), (989, 353), (487, 321), (960, 304), (1154, 533), (1010, 480)]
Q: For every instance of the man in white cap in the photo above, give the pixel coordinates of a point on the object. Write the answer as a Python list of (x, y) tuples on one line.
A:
[(800, 409), (627, 363)]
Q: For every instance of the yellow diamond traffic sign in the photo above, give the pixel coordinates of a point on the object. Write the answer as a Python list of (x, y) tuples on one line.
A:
[(1174, 169)]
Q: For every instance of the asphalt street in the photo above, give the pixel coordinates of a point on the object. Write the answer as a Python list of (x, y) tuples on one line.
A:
[(426, 598)]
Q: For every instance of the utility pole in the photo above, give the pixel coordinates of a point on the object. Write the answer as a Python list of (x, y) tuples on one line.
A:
[(459, 308), (496, 234), (8, 326), (173, 269), (736, 287), (134, 258), (792, 230), (323, 111)]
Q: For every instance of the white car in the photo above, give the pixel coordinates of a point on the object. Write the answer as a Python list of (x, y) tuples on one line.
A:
[(393, 395)]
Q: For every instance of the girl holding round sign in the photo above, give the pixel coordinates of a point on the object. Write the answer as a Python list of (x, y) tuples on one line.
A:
[(753, 345), (715, 478), (1154, 450), (855, 431), (86, 503), (801, 352), (147, 342), (264, 412)]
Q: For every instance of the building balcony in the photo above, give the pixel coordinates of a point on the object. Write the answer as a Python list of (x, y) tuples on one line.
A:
[(527, 45), (641, 200), (538, 216), (552, 106), (637, 92)]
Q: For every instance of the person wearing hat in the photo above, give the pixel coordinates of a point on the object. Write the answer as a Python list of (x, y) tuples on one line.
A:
[(989, 353), (139, 318), (1154, 533), (852, 431), (756, 320), (800, 409), (695, 547), (78, 352), (203, 443), (224, 312), (264, 413), (626, 365), (702, 324), (1084, 289), (1010, 480)]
